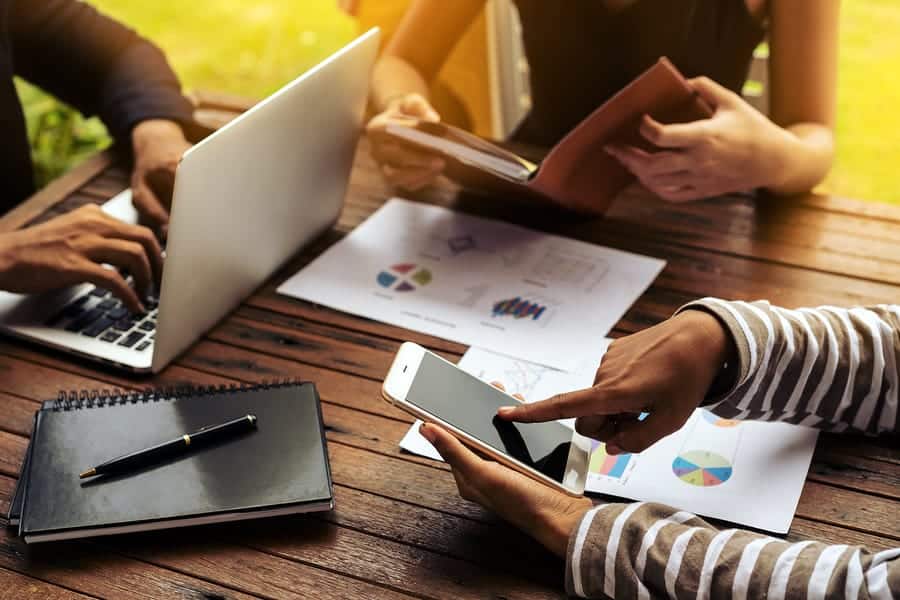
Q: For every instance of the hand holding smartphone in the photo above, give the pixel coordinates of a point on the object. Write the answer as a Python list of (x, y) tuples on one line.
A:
[(436, 391)]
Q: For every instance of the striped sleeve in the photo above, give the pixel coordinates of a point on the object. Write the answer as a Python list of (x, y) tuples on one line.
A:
[(648, 550), (831, 368)]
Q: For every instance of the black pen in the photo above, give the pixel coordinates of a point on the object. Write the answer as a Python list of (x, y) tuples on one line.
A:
[(173, 448)]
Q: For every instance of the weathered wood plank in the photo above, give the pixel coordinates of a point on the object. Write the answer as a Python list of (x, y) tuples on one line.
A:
[(212, 553), (19, 586), (855, 472), (97, 572)]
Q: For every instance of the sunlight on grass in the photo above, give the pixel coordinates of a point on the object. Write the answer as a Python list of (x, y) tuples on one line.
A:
[(868, 129), (251, 47), (245, 47)]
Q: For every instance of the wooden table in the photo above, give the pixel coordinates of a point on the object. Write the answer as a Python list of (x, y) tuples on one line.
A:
[(399, 528)]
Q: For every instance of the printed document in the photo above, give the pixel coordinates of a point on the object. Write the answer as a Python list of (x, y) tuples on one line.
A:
[(515, 291)]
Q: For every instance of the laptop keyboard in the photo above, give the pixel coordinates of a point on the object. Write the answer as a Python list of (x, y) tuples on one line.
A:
[(99, 314)]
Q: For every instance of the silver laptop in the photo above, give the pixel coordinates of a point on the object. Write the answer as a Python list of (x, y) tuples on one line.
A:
[(246, 199)]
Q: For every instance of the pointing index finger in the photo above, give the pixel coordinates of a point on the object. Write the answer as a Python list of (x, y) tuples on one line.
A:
[(562, 406)]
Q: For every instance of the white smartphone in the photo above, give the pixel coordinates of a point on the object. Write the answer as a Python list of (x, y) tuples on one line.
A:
[(437, 391)]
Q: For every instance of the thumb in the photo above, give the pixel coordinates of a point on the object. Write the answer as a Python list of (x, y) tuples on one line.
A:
[(451, 449), (714, 93), (415, 105)]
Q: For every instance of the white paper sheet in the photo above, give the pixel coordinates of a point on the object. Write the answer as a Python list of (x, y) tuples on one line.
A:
[(485, 283), (745, 472)]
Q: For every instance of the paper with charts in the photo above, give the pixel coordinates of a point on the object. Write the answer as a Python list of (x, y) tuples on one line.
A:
[(745, 472), (478, 282)]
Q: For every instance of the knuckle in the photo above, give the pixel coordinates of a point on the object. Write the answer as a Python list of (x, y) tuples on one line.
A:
[(132, 249), (708, 135), (623, 386), (554, 404), (145, 237), (108, 276), (88, 241)]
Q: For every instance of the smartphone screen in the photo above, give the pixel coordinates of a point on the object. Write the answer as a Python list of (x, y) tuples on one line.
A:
[(470, 405)]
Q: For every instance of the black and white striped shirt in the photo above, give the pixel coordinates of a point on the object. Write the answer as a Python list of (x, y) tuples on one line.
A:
[(831, 368)]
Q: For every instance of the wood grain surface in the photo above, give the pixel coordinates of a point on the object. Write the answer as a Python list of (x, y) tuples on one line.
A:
[(399, 529)]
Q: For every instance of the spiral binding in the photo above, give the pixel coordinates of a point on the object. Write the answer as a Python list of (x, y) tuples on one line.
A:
[(80, 399)]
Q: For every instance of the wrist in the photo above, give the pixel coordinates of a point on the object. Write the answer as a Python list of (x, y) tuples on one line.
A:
[(557, 526), (712, 340), (779, 150), (149, 132)]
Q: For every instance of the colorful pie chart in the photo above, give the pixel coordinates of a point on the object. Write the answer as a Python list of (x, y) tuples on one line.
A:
[(404, 277), (702, 468)]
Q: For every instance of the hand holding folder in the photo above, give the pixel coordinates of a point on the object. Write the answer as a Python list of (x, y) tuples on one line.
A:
[(577, 173)]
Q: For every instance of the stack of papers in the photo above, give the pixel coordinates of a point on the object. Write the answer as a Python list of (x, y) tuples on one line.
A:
[(536, 308)]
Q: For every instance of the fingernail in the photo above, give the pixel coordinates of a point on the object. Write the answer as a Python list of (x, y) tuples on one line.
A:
[(427, 432), (613, 450), (506, 411)]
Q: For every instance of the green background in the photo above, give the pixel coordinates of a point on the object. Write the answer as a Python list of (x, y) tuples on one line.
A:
[(252, 47)]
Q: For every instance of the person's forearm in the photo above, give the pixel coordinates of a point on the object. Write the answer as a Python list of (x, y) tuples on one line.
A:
[(648, 550), (94, 63), (393, 78), (803, 155), (828, 367), (142, 87)]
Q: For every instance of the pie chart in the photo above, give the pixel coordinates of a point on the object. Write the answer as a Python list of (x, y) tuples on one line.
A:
[(404, 277), (702, 468)]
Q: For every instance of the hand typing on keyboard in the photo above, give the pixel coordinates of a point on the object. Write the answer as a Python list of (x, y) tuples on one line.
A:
[(73, 249)]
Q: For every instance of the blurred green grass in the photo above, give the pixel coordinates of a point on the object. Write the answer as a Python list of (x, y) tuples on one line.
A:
[(248, 47), (868, 128), (251, 47), (245, 47)]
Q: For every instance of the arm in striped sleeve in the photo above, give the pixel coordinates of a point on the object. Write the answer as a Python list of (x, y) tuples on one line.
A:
[(648, 550), (828, 367)]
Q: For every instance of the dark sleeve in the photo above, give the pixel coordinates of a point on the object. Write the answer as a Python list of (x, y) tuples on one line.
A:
[(94, 63)]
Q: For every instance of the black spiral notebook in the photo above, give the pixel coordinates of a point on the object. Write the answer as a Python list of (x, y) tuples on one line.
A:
[(280, 468)]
